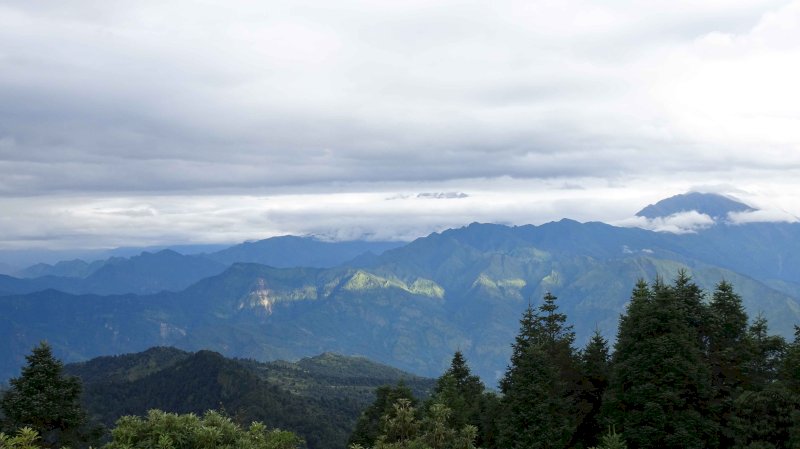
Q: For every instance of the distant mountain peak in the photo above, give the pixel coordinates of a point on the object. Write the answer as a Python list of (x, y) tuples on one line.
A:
[(714, 205)]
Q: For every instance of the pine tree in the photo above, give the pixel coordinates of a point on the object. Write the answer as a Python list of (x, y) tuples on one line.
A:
[(595, 370), (538, 408), (461, 392), (728, 355), (765, 353), (660, 385), (43, 399), (789, 372)]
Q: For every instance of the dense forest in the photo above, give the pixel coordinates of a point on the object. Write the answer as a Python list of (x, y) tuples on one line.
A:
[(687, 370)]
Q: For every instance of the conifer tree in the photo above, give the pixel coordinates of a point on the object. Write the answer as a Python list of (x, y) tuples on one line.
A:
[(660, 385), (765, 353), (368, 425), (595, 369), (728, 355), (539, 389), (790, 366), (45, 400), (461, 392)]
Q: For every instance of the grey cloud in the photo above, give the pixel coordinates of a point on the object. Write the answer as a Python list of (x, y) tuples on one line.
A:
[(114, 100), (442, 195)]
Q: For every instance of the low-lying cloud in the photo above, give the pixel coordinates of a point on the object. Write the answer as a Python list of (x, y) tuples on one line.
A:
[(680, 223)]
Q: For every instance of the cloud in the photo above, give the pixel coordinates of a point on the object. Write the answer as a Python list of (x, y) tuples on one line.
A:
[(762, 216), (680, 223), (442, 195), (130, 106)]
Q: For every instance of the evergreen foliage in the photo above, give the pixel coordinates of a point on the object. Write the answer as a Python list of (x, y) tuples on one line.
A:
[(368, 426), (660, 386), (461, 392), (728, 356), (46, 401), (539, 405), (595, 370)]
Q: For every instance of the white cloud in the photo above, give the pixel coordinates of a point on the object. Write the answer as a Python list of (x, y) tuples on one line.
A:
[(680, 223), (761, 216)]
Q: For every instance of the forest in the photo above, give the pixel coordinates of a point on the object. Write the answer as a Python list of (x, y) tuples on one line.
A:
[(688, 370)]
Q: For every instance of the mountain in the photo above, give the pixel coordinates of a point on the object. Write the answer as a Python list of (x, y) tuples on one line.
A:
[(320, 397), (143, 274), (414, 305), (75, 268), (166, 269), (7, 269), (714, 205), (291, 251)]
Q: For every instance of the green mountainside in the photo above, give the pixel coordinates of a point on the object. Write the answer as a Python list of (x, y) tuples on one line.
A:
[(319, 398)]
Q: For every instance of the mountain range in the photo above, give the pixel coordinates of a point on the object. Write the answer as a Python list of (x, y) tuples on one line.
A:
[(410, 305)]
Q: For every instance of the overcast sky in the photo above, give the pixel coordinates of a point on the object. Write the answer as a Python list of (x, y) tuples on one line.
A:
[(152, 122)]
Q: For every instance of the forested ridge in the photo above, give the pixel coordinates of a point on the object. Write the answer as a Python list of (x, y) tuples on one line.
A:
[(688, 369)]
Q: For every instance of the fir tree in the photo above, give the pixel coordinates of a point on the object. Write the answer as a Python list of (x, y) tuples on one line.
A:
[(43, 399), (595, 370), (660, 385), (461, 392), (538, 408), (728, 355)]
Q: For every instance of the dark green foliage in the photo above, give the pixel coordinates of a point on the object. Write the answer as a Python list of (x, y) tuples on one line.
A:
[(660, 387), (728, 356), (45, 400), (595, 370), (460, 391), (319, 398), (368, 427), (765, 354), (790, 368), (539, 404), (769, 418)]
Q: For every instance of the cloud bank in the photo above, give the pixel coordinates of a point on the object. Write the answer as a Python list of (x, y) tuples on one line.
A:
[(151, 118)]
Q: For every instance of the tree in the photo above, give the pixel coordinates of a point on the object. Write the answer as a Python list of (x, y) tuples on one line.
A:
[(766, 352), (595, 369), (538, 408), (402, 429), (728, 356), (212, 430), (660, 385), (368, 426), (461, 392), (45, 400)]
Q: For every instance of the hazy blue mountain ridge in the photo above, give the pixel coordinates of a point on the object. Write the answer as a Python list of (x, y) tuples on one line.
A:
[(148, 273), (413, 306)]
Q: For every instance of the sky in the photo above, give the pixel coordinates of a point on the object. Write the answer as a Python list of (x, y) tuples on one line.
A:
[(149, 122)]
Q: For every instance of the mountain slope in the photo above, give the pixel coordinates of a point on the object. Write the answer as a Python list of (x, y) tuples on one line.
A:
[(291, 251), (310, 397), (714, 205), (414, 305)]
